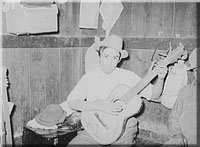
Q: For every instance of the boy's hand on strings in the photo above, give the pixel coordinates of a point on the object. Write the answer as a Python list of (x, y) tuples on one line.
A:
[(108, 106)]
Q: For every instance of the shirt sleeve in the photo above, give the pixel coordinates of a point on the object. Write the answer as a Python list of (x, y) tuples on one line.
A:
[(78, 93)]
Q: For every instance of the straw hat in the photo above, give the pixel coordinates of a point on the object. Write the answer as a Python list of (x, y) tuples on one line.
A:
[(53, 114)]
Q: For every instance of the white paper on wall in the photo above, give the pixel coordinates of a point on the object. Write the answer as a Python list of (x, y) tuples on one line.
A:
[(89, 14), (110, 12)]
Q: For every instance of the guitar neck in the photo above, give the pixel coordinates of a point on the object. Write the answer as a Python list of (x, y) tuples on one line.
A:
[(138, 87)]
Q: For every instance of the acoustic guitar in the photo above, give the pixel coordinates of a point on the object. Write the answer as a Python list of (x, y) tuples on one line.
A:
[(106, 128)]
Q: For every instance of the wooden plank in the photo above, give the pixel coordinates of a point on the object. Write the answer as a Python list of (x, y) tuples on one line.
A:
[(180, 14), (137, 19), (3, 23), (52, 75), (44, 78), (167, 20), (88, 32), (65, 19), (66, 67), (153, 19), (69, 18), (17, 62), (156, 19), (37, 81), (147, 19), (71, 69), (185, 20), (76, 14), (123, 26)]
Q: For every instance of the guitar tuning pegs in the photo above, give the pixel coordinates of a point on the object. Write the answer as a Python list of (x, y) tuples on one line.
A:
[(180, 44), (161, 56), (96, 39), (170, 45), (169, 48), (185, 55)]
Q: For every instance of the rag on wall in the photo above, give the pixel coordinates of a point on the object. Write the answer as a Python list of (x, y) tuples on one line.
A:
[(176, 79), (89, 14), (110, 12)]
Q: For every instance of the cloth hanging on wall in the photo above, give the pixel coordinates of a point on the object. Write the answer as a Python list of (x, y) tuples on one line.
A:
[(89, 14), (176, 79), (110, 12)]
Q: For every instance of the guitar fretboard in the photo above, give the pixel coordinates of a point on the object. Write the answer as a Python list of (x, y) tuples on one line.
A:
[(138, 87)]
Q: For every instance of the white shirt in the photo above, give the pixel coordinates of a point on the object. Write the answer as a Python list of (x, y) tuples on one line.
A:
[(96, 85)]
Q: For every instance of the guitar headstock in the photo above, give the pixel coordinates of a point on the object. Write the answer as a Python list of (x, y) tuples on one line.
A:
[(176, 54)]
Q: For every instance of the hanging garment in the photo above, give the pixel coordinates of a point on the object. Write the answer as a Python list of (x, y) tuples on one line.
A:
[(110, 12), (89, 14), (176, 79)]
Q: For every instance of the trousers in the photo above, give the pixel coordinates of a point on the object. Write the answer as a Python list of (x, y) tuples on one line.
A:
[(127, 139)]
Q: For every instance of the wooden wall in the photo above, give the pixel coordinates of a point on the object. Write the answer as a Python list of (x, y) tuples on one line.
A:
[(158, 20), (43, 69), (39, 77)]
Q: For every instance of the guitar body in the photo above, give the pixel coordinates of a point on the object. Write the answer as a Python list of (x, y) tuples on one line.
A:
[(105, 133), (106, 128)]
